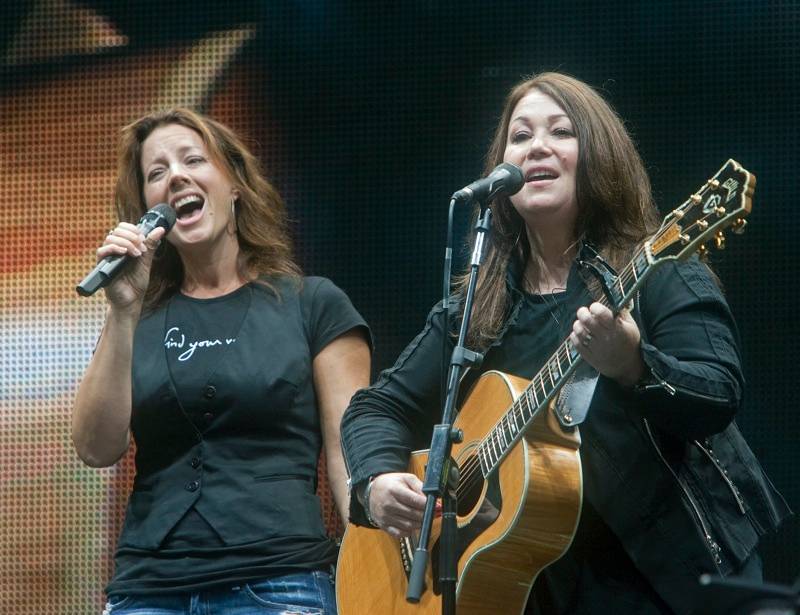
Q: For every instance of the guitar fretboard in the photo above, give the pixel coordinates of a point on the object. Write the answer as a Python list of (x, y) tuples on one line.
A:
[(724, 200), (549, 380)]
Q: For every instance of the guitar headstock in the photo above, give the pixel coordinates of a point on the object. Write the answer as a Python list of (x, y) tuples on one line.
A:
[(722, 202)]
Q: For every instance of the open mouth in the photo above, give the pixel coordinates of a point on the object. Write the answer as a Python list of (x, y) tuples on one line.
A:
[(189, 208), (538, 175)]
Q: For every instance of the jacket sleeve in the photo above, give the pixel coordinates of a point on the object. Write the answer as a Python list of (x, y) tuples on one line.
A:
[(394, 416), (690, 346)]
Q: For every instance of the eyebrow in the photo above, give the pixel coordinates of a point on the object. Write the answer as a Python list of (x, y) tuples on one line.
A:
[(550, 118)]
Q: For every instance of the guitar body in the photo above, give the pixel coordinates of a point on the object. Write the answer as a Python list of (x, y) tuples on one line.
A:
[(510, 525)]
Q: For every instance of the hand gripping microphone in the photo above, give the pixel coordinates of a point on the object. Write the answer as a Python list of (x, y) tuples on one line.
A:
[(107, 269), (505, 178)]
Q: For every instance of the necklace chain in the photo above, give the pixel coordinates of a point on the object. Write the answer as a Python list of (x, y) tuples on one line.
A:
[(552, 303)]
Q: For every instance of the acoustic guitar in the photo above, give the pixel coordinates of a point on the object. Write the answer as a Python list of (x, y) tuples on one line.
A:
[(520, 489)]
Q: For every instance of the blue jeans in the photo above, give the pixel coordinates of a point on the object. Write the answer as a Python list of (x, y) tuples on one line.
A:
[(302, 593)]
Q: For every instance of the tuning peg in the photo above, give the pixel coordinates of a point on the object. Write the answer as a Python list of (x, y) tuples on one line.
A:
[(738, 226), (702, 225), (719, 241), (696, 198), (684, 238), (720, 211), (678, 213), (702, 252), (713, 184)]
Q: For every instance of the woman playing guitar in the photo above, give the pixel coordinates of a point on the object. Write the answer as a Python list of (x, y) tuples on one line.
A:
[(669, 487)]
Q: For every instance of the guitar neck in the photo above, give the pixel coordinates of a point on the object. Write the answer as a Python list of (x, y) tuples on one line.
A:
[(555, 373), (722, 202)]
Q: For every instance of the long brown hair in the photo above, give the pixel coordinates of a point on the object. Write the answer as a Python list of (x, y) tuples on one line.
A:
[(261, 221), (615, 205)]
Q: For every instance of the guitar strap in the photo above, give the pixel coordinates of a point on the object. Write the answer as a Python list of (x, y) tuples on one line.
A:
[(572, 403)]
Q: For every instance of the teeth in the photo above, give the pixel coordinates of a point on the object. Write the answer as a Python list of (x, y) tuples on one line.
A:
[(186, 200)]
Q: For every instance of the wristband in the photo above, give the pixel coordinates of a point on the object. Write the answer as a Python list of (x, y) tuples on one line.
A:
[(365, 503)]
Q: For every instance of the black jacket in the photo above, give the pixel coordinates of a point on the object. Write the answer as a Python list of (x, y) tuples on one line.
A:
[(664, 465)]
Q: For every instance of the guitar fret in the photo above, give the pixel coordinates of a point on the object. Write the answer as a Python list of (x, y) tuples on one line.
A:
[(555, 370), (573, 352), (506, 432), (501, 433), (544, 390), (524, 406), (496, 441), (521, 414), (485, 466), (532, 391), (511, 422), (565, 350), (530, 406), (488, 456)]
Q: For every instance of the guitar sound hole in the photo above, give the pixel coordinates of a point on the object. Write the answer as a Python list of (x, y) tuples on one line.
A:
[(470, 487)]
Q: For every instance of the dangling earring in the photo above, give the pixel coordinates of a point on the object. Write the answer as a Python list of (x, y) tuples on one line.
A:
[(233, 215)]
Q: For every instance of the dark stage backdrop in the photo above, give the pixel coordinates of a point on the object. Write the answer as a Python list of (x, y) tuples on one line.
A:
[(367, 117)]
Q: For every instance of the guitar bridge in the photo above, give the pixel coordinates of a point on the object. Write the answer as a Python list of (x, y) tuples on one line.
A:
[(407, 555)]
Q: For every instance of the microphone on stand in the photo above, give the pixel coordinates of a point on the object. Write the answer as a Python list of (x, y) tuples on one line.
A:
[(505, 178), (161, 215)]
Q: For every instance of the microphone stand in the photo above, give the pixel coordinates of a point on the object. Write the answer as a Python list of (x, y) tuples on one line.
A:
[(441, 472)]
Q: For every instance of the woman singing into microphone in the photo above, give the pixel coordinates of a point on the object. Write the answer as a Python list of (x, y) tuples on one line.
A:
[(229, 370)]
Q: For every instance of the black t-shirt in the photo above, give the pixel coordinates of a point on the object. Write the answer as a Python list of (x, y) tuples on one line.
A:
[(228, 341)]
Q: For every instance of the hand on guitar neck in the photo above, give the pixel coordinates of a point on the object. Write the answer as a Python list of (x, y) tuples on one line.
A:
[(609, 343)]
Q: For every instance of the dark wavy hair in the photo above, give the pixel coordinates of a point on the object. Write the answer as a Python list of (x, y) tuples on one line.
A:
[(616, 211), (261, 220)]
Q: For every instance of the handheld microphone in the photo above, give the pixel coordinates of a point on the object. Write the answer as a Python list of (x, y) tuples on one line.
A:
[(505, 178), (107, 269)]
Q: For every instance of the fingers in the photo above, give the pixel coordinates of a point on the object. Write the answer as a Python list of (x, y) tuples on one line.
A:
[(396, 503), (413, 483), (155, 237), (596, 316), (580, 336), (609, 342), (126, 238)]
